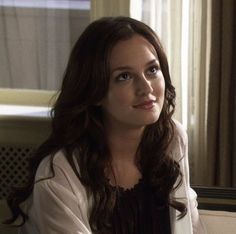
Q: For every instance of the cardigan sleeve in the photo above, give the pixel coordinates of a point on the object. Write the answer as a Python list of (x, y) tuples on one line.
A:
[(57, 210), (197, 224), (191, 196), (58, 204)]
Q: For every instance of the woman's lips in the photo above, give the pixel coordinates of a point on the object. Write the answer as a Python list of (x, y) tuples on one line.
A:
[(145, 105)]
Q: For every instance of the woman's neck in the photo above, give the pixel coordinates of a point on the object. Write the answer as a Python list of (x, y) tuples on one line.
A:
[(123, 147), (123, 144)]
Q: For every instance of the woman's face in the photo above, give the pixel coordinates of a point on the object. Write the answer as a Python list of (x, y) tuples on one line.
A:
[(136, 90)]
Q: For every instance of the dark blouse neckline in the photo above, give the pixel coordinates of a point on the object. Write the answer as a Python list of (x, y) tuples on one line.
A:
[(140, 210), (127, 190)]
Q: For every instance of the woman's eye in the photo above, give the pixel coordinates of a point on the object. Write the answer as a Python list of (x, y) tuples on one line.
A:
[(153, 70), (123, 76)]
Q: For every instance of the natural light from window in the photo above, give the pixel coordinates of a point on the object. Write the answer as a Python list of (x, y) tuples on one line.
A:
[(54, 4), (184, 58)]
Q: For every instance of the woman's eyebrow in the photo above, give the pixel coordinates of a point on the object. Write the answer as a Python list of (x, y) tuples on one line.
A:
[(120, 68), (152, 62)]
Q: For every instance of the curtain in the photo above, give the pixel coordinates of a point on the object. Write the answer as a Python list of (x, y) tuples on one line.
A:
[(221, 117), (102, 8), (35, 42), (198, 77), (165, 18), (212, 93)]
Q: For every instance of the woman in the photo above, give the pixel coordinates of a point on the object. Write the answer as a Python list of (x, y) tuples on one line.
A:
[(115, 161)]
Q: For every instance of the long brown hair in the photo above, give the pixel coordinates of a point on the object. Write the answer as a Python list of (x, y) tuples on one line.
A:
[(78, 129)]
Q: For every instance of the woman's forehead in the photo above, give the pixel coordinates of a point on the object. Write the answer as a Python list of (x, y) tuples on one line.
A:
[(137, 49)]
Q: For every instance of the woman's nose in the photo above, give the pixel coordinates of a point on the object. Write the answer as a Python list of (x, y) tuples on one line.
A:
[(144, 86)]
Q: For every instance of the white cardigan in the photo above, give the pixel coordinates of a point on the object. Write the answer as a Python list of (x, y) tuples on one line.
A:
[(60, 205)]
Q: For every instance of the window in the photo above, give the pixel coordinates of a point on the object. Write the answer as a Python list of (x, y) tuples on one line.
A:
[(36, 38)]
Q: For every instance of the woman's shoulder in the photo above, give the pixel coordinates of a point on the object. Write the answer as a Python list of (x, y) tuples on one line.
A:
[(180, 132), (56, 173), (56, 167), (179, 141)]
